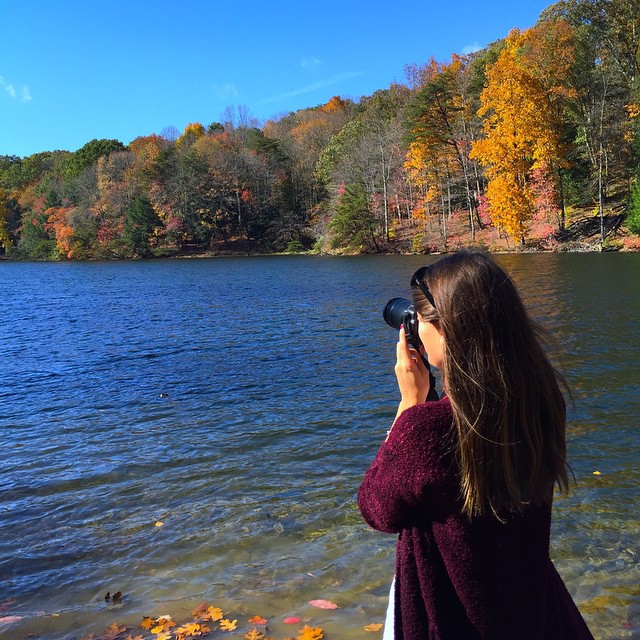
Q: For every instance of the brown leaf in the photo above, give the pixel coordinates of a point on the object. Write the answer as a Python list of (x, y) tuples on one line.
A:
[(114, 632), (254, 634)]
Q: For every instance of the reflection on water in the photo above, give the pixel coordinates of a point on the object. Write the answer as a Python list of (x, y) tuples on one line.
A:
[(238, 401)]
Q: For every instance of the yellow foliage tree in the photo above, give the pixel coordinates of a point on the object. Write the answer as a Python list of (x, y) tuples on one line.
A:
[(441, 120), (191, 133), (521, 110)]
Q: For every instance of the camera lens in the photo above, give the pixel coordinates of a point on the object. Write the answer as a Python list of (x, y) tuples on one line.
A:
[(394, 311)]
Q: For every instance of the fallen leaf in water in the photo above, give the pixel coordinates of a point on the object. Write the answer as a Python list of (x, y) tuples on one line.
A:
[(130, 637), (208, 613), (323, 604), (114, 631), (10, 619), (292, 620), (189, 629), (597, 473), (254, 634), (374, 626), (228, 625), (159, 523), (147, 623), (311, 633), (257, 620)]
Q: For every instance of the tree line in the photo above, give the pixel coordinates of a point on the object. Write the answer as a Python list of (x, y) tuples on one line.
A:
[(512, 139)]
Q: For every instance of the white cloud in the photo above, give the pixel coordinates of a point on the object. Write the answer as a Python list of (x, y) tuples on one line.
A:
[(226, 91), (471, 48), (25, 92), (310, 63), (321, 84)]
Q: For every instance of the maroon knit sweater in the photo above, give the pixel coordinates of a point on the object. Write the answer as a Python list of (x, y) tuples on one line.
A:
[(458, 579)]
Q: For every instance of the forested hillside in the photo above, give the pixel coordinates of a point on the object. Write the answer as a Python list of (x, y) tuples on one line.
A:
[(533, 141)]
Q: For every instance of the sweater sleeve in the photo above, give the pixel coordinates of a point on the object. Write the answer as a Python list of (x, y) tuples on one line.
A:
[(405, 467)]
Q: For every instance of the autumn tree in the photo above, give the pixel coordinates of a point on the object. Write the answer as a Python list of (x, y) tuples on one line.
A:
[(442, 126), (522, 122), (369, 151)]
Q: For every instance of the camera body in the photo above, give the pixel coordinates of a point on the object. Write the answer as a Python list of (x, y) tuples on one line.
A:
[(400, 312)]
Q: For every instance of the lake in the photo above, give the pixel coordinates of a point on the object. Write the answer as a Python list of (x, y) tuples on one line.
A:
[(189, 431)]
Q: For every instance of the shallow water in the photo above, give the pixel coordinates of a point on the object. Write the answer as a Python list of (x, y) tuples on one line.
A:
[(238, 401)]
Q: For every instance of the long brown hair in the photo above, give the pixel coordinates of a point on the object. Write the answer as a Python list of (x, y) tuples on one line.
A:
[(505, 394)]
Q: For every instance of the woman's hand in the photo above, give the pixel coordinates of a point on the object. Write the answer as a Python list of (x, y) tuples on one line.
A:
[(412, 375)]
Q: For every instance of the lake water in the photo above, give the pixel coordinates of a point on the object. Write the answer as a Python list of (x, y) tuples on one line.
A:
[(238, 401)]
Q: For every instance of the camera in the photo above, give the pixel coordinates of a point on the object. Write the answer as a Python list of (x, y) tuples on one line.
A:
[(399, 312)]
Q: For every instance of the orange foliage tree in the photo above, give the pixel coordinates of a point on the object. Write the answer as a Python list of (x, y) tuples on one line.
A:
[(521, 106)]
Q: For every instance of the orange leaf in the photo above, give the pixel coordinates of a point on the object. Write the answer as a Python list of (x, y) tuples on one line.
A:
[(189, 629), (257, 620), (228, 625), (311, 633), (147, 622), (254, 634), (375, 626)]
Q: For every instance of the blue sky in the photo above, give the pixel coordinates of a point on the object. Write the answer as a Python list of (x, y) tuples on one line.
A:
[(71, 71)]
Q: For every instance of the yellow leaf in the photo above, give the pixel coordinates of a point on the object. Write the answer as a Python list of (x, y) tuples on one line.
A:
[(228, 625), (375, 626), (254, 634), (311, 633), (163, 635), (157, 629), (212, 613), (159, 523), (597, 473)]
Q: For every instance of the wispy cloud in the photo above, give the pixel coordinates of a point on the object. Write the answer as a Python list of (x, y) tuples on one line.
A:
[(23, 94), (471, 48), (320, 84), (226, 91), (310, 63)]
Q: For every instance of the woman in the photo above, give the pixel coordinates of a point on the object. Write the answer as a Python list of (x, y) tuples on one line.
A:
[(467, 481)]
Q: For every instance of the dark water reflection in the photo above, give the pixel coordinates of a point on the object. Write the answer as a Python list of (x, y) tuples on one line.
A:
[(239, 401)]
